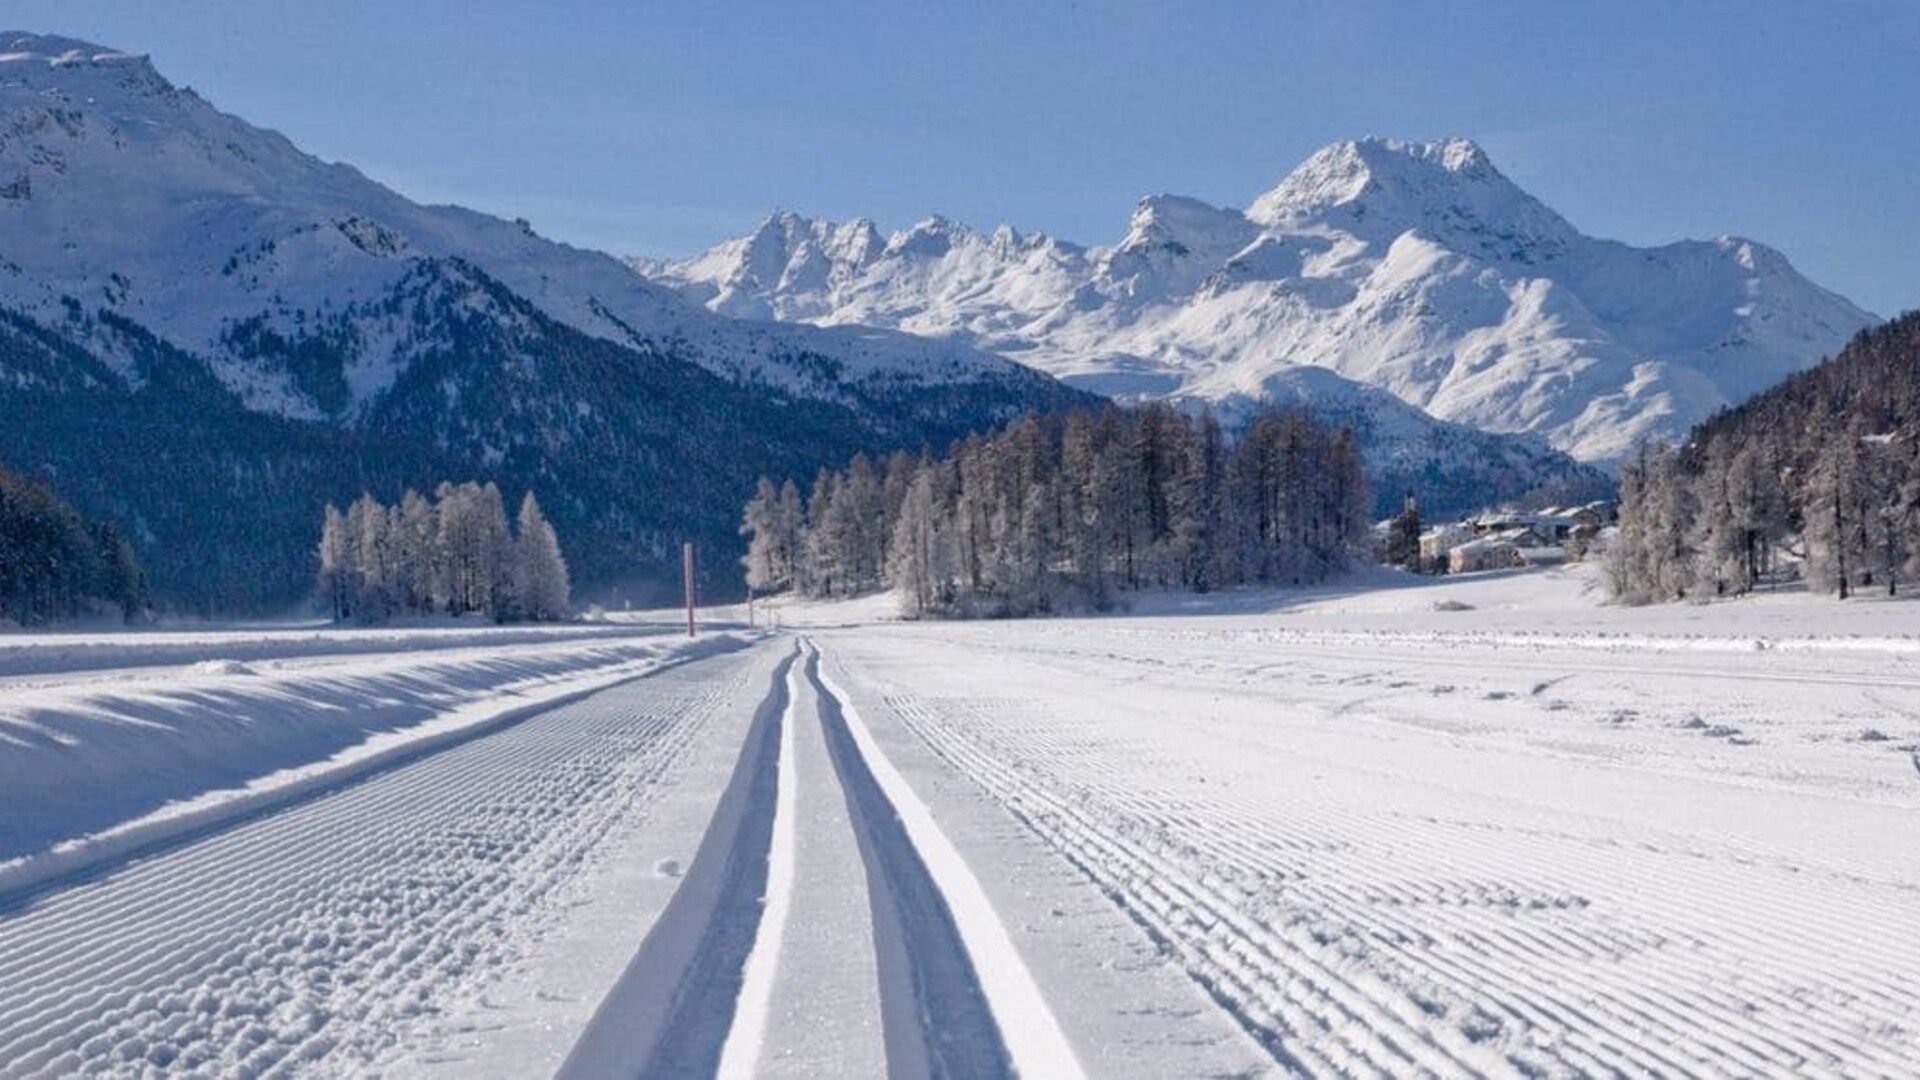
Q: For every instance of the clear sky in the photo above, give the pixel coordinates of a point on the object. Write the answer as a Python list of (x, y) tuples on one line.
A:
[(660, 128)]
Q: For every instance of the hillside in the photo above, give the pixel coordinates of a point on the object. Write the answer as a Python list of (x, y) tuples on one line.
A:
[(1818, 477), (206, 334)]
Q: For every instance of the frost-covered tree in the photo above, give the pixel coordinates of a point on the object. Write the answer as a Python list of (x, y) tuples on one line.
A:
[(1823, 469), (1835, 529), (339, 573), (376, 579), (540, 584), (1756, 503), (763, 560), (454, 553), (920, 559), (829, 559), (1201, 511), (415, 528), (1653, 556), (860, 512), (1085, 533), (1051, 512), (474, 542)]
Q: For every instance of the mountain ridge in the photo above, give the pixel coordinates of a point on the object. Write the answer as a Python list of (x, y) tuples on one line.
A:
[(1418, 268), (251, 220)]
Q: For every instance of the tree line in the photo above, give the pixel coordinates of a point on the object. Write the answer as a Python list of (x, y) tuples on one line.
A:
[(54, 564), (1820, 473), (1055, 513), (449, 554)]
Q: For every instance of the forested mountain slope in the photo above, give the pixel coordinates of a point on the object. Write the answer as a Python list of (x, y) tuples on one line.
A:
[(206, 334), (1822, 471)]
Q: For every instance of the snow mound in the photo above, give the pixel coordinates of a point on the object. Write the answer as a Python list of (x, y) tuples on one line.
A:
[(222, 667)]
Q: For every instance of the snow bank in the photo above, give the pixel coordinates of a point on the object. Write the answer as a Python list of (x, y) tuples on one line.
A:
[(48, 653), (91, 770)]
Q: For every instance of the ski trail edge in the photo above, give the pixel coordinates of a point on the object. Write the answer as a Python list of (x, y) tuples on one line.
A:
[(670, 1012), (1032, 1035), (740, 1054)]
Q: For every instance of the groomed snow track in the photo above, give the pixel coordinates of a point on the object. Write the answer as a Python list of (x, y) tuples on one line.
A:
[(306, 941), (1008, 850), (1360, 916), (696, 1000)]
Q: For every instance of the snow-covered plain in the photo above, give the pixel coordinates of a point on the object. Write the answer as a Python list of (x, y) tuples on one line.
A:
[(1391, 827)]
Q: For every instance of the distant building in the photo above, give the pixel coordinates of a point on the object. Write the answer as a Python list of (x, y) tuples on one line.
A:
[(1483, 554), (1507, 538), (1438, 542)]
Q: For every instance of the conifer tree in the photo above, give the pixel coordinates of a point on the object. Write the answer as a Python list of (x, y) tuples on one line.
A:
[(759, 524), (454, 553), (540, 584), (1046, 513)]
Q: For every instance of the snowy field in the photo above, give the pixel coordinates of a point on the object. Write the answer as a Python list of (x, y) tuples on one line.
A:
[(1478, 827)]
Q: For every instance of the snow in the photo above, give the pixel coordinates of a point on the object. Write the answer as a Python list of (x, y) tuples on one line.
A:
[(1033, 1037), (741, 1054), (372, 928), (1417, 268), (141, 198), (102, 761), (1532, 834), (1389, 825)]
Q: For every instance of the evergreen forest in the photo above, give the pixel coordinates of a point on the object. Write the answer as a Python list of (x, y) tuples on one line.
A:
[(1057, 513), (1818, 476)]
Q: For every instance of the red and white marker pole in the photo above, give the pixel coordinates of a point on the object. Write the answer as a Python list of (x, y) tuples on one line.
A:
[(686, 573)]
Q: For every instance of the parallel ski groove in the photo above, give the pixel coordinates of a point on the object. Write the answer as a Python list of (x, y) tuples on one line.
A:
[(339, 915), (1179, 872)]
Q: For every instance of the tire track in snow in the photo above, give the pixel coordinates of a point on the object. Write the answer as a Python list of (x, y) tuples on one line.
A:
[(320, 936)]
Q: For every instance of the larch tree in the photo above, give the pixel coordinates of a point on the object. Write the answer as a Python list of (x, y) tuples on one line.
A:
[(759, 525), (338, 573), (1052, 513), (454, 553), (540, 582)]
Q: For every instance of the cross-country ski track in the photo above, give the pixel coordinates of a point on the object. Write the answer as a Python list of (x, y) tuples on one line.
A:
[(1126, 848)]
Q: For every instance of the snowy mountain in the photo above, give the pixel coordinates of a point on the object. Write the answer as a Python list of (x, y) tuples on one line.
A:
[(124, 192), (1416, 268), (307, 332)]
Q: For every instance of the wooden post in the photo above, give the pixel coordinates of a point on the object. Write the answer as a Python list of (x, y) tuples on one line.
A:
[(686, 571)]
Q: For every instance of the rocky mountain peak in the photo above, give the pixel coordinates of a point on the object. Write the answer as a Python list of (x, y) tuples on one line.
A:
[(1418, 268)]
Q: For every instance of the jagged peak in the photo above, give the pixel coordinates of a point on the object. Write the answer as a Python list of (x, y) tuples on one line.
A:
[(1347, 171), (1448, 189), (858, 240), (783, 224), (1181, 219), (931, 237), (19, 46)]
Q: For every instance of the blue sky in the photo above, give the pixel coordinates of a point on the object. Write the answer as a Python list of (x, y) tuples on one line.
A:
[(661, 128)]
